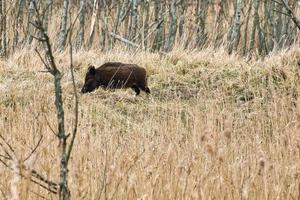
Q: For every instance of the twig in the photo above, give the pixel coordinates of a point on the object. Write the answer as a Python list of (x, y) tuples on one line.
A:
[(43, 61), (5, 157), (4, 163), (37, 194), (10, 157), (54, 191), (290, 13), (75, 98), (278, 2), (124, 40), (41, 178), (72, 24), (39, 26), (38, 39), (281, 12), (48, 124), (7, 143), (34, 149), (45, 10), (3, 194), (44, 71), (52, 186)]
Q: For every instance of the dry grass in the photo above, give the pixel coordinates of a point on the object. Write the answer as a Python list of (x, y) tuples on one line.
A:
[(214, 127)]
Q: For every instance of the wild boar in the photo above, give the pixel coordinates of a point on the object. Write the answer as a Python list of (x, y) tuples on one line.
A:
[(116, 75)]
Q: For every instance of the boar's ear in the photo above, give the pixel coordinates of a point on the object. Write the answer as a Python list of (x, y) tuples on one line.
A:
[(92, 69)]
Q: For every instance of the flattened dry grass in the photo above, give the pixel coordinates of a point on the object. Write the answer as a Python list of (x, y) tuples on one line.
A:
[(214, 127)]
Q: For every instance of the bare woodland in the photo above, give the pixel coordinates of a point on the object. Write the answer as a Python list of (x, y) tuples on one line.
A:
[(247, 27)]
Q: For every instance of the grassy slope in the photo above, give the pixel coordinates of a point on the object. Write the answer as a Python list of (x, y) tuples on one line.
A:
[(214, 127)]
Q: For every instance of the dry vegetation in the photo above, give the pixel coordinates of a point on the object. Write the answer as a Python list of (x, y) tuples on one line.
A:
[(214, 127)]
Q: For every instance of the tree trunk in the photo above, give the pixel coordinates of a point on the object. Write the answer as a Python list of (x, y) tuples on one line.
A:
[(218, 24), (255, 24), (80, 34), (182, 12), (262, 48), (172, 26), (103, 26), (48, 14), (146, 18), (3, 29), (268, 25), (63, 26), (277, 24), (201, 13), (133, 21), (158, 32), (94, 20), (18, 23), (246, 30), (235, 31)]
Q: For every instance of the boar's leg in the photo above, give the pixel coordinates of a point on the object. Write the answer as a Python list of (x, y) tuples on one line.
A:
[(136, 89), (145, 89)]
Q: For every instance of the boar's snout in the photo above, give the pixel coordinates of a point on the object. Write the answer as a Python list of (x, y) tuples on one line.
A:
[(83, 90)]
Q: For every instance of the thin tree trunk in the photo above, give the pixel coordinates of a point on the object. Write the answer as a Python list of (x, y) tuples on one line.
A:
[(18, 23), (201, 14), (284, 31), (269, 25), (218, 24), (103, 26), (255, 24), (235, 32), (133, 21), (172, 26), (48, 14), (80, 34), (117, 23), (277, 24), (262, 48), (94, 19), (246, 30), (125, 10), (3, 24), (63, 26), (182, 11), (126, 7), (162, 27), (158, 32), (146, 18)]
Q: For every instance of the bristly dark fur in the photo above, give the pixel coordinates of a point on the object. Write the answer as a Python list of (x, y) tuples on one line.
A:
[(116, 75)]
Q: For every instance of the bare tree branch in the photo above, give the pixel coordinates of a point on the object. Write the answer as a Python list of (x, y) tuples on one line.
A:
[(5, 157), (124, 40), (50, 127), (44, 62), (39, 195), (290, 13), (10, 147), (64, 192), (282, 12), (3, 194), (75, 94), (34, 149), (51, 186)]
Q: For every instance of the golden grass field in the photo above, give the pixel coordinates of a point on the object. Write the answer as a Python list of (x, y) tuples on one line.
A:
[(214, 127)]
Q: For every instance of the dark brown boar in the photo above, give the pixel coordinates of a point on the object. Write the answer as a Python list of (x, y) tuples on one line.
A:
[(116, 75)]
